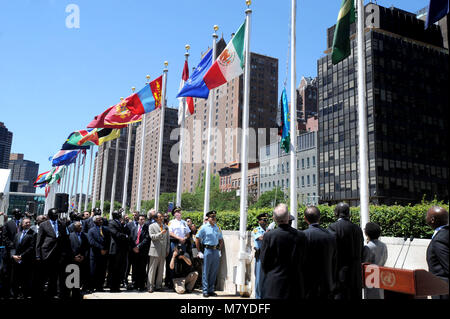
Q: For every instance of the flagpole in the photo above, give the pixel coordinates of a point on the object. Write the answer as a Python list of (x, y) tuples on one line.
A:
[(91, 163), (82, 184), (362, 119), (141, 161), (208, 148), (293, 138), (127, 161), (180, 152), (104, 171), (66, 179), (73, 181), (94, 189), (113, 187), (78, 175), (243, 255), (161, 135)]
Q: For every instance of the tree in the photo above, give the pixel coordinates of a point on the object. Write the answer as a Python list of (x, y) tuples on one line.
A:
[(270, 199)]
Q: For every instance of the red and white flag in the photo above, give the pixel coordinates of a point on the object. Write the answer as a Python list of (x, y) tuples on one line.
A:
[(189, 100)]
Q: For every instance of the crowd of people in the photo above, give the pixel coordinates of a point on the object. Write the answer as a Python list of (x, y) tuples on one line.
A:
[(34, 254), (320, 263), (159, 253)]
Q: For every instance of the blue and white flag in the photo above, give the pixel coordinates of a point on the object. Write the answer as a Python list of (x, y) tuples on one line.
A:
[(195, 86), (64, 157)]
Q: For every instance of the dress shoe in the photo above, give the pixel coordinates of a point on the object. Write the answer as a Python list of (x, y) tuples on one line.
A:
[(205, 295), (150, 290), (212, 294)]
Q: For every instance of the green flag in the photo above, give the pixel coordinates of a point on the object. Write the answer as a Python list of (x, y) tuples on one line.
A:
[(341, 40)]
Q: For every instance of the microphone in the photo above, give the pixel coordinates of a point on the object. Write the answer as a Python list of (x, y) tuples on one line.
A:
[(406, 255), (404, 241)]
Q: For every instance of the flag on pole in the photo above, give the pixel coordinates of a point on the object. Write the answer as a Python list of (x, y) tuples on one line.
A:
[(64, 157), (99, 136), (229, 64), (195, 86), (189, 100), (341, 40), (285, 122), (55, 175), (73, 138), (41, 179), (99, 121), (147, 99), (120, 115), (436, 11)]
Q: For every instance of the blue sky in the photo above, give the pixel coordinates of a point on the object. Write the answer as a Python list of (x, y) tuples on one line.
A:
[(54, 80)]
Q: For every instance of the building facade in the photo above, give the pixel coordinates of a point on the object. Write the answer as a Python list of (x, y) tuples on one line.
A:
[(108, 149), (275, 168), (307, 99), (407, 108), (23, 174), (230, 180), (5, 145), (227, 119), (169, 168)]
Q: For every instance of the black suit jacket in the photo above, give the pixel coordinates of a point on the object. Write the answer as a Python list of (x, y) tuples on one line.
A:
[(282, 258), (144, 239), (26, 247), (350, 246), (77, 247), (437, 254), (119, 236), (97, 242), (48, 245), (10, 231), (320, 262)]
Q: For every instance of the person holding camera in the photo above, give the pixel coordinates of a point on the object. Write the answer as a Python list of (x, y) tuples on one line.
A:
[(183, 271)]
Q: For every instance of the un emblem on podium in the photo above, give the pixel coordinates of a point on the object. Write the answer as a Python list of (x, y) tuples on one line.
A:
[(387, 278)]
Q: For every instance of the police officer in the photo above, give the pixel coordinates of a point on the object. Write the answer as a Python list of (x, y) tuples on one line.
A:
[(211, 237), (257, 235)]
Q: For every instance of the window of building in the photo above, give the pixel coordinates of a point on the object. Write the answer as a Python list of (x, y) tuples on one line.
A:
[(303, 181)]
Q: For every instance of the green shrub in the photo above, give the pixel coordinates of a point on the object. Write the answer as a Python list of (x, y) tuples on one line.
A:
[(395, 221)]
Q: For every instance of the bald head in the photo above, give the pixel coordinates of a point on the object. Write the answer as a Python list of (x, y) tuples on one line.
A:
[(312, 215), (342, 210), (436, 217), (281, 214)]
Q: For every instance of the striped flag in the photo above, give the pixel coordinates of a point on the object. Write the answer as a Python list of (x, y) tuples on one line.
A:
[(189, 100), (341, 40), (229, 64)]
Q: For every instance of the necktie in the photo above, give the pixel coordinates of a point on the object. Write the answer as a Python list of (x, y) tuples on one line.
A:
[(23, 235), (138, 235), (55, 227), (101, 232), (79, 237)]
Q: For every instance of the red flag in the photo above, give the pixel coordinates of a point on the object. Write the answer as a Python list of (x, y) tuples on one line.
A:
[(189, 100), (99, 121)]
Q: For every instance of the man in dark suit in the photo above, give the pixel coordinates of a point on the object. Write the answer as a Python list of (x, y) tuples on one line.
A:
[(140, 244), (320, 262), (99, 240), (350, 245), (89, 223), (131, 225), (79, 245), (10, 230), (437, 251), (118, 251), (282, 258), (22, 255), (52, 250)]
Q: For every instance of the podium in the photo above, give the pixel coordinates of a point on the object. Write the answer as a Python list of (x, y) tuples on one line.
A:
[(402, 283)]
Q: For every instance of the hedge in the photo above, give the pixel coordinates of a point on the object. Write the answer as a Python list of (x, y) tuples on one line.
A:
[(395, 221)]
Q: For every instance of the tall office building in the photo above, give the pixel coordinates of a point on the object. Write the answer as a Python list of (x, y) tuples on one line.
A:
[(5, 145), (306, 99), (23, 174), (169, 167), (407, 111), (109, 149), (227, 118)]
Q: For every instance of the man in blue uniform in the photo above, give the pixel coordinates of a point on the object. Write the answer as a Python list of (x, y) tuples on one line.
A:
[(211, 237), (257, 235)]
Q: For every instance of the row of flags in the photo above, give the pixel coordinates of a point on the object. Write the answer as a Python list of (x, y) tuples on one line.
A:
[(205, 77)]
